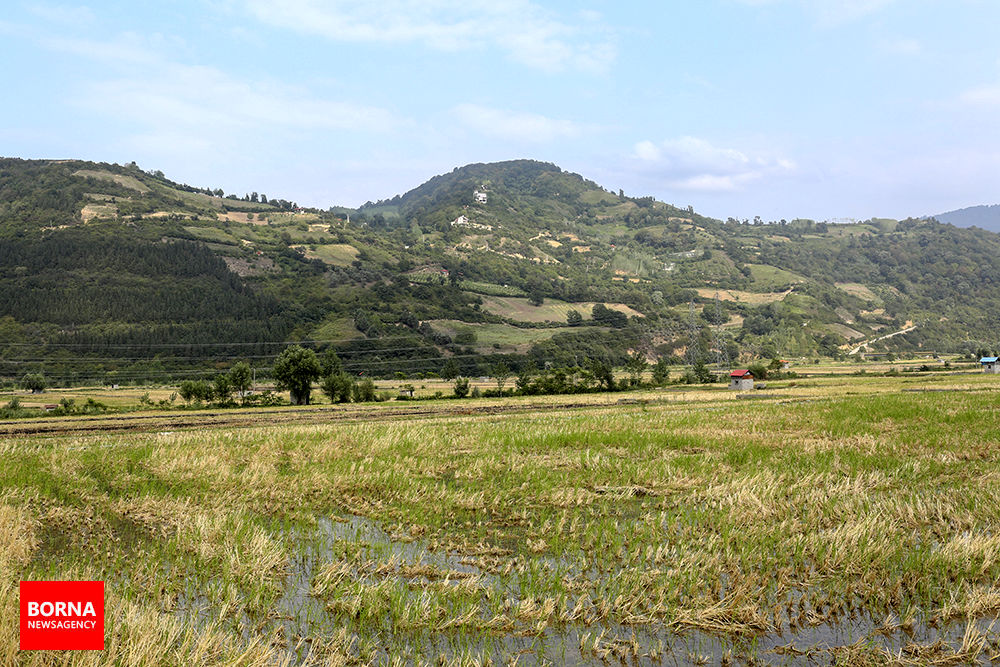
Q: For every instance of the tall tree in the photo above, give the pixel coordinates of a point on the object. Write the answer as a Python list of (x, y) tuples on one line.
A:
[(240, 378), (34, 382), (501, 373), (450, 370), (636, 365), (222, 388), (661, 372), (294, 370), (331, 363)]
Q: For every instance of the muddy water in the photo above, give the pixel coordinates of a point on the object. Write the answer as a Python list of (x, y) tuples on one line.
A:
[(299, 621)]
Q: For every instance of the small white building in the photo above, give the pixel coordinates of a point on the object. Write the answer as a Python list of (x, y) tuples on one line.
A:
[(741, 380), (479, 196), (990, 365)]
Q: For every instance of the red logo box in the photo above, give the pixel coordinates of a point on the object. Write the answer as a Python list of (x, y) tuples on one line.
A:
[(62, 615)]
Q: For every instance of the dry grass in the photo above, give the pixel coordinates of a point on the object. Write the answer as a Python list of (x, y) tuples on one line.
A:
[(17, 538), (692, 514), (552, 310), (739, 296), (858, 290), (130, 182)]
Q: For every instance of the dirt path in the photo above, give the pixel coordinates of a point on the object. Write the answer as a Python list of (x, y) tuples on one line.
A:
[(313, 415), (875, 340)]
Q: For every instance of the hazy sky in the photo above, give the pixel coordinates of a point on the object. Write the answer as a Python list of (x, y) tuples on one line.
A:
[(777, 108)]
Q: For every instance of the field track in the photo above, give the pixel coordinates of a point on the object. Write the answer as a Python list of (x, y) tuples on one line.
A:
[(316, 414)]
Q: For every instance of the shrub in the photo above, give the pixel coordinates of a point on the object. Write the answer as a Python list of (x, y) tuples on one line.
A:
[(338, 387), (264, 399), (364, 391)]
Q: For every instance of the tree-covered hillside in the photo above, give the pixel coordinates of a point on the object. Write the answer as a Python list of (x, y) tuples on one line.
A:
[(111, 272)]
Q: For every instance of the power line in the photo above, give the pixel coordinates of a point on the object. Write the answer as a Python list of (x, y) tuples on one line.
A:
[(152, 375), (117, 346), (340, 353)]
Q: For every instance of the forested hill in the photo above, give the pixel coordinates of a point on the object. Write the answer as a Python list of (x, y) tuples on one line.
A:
[(984, 217), (109, 271)]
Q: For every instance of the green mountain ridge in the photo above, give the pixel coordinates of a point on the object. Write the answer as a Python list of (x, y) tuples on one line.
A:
[(112, 272), (984, 216)]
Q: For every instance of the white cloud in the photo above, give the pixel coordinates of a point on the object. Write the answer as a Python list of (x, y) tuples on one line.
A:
[(68, 15), (831, 12), (836, 12), (517, 126), (689, 153), (987, 96), (902, 46), (126, 49), (205, 97), (528, 33), (693, 164), (715, 183), (648, 151), (151, 90)]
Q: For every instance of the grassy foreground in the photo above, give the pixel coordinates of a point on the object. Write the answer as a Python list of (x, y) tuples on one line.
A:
[(845, 527)]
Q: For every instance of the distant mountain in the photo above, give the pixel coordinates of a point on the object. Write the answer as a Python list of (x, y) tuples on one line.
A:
[(984, 217), (109, 271)]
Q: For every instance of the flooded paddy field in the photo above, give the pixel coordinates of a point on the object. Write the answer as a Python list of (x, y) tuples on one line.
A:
[(852, 528)]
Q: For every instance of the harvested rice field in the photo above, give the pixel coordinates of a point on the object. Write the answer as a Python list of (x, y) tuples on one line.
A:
[(847, 523)]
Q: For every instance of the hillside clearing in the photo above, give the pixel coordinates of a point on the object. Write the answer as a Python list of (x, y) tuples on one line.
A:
[(860, 291), (739, 296), (334, 254), (336, 329), (96, 211), (508, 337), (551, 310), (766, 277), (130, 182)]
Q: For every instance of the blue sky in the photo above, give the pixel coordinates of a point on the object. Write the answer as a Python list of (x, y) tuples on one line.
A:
[(778, 108)]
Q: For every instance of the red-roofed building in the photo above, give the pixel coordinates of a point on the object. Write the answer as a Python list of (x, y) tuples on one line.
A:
[(741, 380)]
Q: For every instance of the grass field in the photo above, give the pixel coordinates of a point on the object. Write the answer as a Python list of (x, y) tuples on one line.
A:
[(769, 278), (336, 328), (130, 182), (211, 234), (836, 520), (335, 254), (551, 310), (739, 296), (860, 291), (508, 337)]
